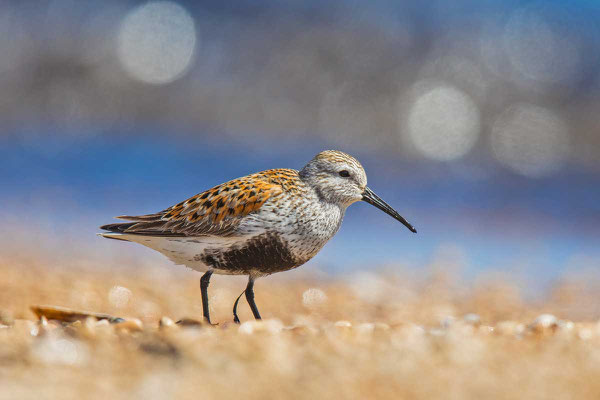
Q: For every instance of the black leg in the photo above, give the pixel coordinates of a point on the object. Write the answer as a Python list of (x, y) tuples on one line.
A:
[(204, 281), (235, 317), (250, 297)]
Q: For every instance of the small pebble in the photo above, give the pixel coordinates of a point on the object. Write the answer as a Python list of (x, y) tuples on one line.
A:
[(83, 328), (272, 326), (437, 332), (447, 321), (6, 318), (585, 333), (410, 329), (472, 319), (509, 328), (365, 328), (246, 328), (544, 323), (45, 326), (565, 325), (302, 330), (25, 325), (343, 324), (380, 326), (485, 329), (192, 323), (166, 322), (130, 326), (90, 323)]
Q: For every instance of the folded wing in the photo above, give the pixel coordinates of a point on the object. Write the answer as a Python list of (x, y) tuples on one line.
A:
[(217, 211)]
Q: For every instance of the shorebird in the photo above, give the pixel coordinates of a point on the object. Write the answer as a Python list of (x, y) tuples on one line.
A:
[(256, 225)]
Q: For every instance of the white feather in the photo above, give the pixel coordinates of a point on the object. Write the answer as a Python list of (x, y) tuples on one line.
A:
[(182, 250)]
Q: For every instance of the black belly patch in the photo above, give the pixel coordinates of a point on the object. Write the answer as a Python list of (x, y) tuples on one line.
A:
[(266, 253)]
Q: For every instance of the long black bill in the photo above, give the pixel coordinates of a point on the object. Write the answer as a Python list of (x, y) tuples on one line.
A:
[(375, 200)]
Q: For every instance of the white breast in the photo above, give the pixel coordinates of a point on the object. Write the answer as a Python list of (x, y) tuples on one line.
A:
[(305, 223)]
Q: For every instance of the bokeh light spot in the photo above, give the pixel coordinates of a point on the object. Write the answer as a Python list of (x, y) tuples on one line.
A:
[(531, 140), (119, 296), (313, 297), (60, 351), (156, 42), (443, 123), (538, 48)]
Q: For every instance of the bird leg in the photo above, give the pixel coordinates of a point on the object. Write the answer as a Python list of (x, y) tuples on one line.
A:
[(204, 281), (235, 316), (250, 298), (249, 291)]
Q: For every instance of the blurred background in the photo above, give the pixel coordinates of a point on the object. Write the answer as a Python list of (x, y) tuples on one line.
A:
[(477, 120)]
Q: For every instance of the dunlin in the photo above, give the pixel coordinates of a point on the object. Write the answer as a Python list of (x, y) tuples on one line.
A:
[(257, 225)]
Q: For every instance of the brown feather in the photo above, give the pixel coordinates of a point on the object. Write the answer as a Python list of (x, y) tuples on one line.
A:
[(217, 211)]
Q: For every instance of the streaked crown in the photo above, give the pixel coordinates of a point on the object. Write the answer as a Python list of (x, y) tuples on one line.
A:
[(336, 177)]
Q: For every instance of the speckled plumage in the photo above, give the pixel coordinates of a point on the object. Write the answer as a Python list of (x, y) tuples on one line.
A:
[(276, 208), (217, 211), (256, 225)]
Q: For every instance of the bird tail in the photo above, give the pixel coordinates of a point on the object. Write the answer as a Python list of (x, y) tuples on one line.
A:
[(116, 231), (119, 227), (115, 236)]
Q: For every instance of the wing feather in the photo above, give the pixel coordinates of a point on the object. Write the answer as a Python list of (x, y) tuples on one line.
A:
[(217, 211)]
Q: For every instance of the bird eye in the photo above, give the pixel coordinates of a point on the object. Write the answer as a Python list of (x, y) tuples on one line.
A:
[(344, 173)]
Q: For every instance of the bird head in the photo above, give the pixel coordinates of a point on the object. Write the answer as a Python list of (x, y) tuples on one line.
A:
[(340, 179)]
